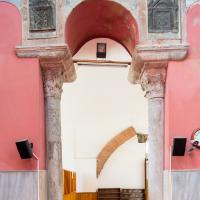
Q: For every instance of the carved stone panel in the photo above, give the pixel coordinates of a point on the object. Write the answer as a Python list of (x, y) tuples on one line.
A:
[(163, 16), (42, 15)]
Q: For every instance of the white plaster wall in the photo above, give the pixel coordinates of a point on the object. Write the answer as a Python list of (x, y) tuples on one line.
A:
[(86, 174), (96, 107), (115, 51), (127, 163)]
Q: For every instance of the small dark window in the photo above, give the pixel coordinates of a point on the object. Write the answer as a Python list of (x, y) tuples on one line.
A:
[(101, 50)]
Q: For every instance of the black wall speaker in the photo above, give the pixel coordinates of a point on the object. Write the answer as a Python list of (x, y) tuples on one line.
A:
[(24, 148), (179, 146)]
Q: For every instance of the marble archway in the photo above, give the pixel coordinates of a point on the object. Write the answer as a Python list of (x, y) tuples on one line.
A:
[(149, 66)]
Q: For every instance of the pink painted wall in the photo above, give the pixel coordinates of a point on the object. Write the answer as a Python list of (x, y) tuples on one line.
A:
[(183, 96), (21, 97)]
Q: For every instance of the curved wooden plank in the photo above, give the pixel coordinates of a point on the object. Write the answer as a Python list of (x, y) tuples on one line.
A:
[(112, 145)]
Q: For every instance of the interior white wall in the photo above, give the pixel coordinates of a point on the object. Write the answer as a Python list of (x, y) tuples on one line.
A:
[(96, 107), (86, 174), (115, 51), (129, 170)]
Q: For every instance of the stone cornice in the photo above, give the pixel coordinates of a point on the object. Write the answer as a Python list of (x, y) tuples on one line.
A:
[(51, 57), (42, 51), (154, 53), (162, 52)]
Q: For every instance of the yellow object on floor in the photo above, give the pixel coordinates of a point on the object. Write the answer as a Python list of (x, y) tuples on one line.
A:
[(86, 196), (81, 196), (71, 196)]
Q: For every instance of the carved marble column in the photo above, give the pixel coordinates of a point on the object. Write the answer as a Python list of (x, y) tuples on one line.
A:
[(57, 67), (153, 82), (53, 81)]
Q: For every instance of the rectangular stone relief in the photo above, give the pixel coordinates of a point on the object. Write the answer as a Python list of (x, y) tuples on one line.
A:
[(163, 16), (42, 15)]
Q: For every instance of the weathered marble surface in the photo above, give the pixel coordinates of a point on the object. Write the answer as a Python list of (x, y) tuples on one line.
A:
[(156, 107), (186, 185), (53, 81), (22, 185), (166, 185), (153, 83)]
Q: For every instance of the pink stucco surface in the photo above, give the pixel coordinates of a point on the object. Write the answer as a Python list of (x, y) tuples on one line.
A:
[(182, 109), (21, 97)]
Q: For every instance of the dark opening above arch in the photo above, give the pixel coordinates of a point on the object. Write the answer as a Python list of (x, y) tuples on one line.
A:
[(100, 18)]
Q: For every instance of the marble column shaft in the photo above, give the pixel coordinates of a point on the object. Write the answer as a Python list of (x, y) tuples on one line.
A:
[(153, 82), (53, 81)]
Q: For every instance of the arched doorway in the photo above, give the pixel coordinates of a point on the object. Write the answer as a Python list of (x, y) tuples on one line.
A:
[(96, 107), (151, 48), (100, 19)]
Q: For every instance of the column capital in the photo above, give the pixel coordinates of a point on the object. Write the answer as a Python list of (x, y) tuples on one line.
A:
[(53, 81), (154, 53), (51, 56), (153, 79)]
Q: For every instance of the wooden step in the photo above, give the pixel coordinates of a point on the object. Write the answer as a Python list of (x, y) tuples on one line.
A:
[(120, 194), (109, 193)]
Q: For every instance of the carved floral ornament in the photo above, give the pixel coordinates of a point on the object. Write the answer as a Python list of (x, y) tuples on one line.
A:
[(65, 63), (142, 138), (56, 63), (53, 81), (56, 71), (153, 80)]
